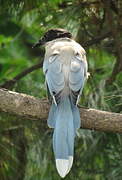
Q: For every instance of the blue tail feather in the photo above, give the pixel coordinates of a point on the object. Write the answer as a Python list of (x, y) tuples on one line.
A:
[(52, 116), (76, 116), (64, 118), (63, 129)]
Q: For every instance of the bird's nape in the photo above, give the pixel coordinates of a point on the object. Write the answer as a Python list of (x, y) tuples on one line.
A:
[(52, 34)]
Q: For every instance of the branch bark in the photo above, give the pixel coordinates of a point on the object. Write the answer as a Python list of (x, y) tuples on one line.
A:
[(29, 107)]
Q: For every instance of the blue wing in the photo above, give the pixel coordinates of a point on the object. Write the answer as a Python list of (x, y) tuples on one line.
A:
[(77, 77), (52, 68)]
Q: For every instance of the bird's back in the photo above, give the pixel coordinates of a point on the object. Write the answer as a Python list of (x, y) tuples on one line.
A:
[(67, 52)]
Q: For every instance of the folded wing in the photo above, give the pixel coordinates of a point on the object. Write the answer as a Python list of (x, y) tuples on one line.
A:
[(77, 77)]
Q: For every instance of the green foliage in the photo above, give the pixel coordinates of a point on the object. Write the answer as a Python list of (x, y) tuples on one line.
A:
[(26, 146)]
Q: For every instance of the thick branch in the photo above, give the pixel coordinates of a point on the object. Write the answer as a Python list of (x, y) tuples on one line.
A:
[(33, 108)]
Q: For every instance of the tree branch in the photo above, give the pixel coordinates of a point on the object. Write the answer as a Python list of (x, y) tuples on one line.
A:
[(115, 26), (96, 40), (33, 108), (10, 83)]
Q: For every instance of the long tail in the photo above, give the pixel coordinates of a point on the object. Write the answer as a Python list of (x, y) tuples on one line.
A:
[(64, 118)]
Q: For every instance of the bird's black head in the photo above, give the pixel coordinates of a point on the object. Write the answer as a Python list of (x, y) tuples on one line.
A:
[(53, 34)]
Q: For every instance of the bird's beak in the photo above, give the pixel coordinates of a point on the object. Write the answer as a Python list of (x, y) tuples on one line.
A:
[(41, 42)]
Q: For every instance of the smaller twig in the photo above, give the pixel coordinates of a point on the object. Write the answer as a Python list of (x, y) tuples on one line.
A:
[(64, 5), (114, 7), (86, 4), (10, 83), (88, 33), (96, 40)]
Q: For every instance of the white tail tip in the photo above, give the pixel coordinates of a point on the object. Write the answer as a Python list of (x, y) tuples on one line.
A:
[(70, 163), (62, 166)]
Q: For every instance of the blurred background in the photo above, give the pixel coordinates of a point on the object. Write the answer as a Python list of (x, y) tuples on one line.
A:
[(26, 146)]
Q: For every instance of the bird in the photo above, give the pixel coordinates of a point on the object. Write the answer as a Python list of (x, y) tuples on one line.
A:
[(65, 68)]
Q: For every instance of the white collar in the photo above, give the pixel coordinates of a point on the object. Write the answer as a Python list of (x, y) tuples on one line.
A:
[(58, 39)]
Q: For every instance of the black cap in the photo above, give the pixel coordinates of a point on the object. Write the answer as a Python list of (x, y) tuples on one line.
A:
[(51, 35)]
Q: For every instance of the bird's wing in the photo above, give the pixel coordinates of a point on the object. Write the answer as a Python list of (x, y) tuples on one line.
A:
[(52, 68), (77, 76)]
